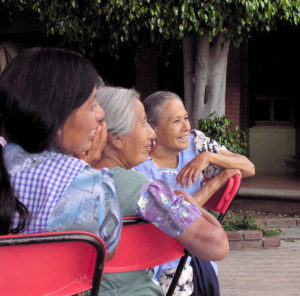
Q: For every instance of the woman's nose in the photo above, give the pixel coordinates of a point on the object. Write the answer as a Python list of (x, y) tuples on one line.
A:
[(152, 134), (185, 125)]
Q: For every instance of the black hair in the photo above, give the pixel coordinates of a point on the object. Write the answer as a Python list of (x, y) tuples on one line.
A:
[(39, 90)]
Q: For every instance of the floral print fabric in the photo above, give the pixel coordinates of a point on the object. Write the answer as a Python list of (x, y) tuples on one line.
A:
[(185, 286), (205, 144), (166, 210)]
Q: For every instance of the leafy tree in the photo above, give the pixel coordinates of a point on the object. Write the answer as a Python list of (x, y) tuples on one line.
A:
[(8, 11), (203, 28), (16, 15)]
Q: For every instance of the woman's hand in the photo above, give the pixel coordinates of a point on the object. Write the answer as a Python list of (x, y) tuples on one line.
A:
[(213, 185), (193, 168), (93, 155), (187, 197), (226, 174), (224, 159), (220, 180)]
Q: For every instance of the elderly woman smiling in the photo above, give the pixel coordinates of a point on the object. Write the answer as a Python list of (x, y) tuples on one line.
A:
[(128, 144), (182, 158)]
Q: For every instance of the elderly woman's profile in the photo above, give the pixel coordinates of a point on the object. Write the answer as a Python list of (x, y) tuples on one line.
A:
[(129, 143)]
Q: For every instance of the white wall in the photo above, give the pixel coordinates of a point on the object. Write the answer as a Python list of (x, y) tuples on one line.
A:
[(268, 146)]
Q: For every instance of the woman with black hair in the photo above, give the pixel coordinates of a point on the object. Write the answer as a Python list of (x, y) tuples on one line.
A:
[(48, 115)]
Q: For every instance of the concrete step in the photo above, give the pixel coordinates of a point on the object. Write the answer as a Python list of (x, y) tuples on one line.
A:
[(281, 222), (290, 233), (287, 202), (289, 226), (269, 191), (294, 163), (251, 239), (254, 239)]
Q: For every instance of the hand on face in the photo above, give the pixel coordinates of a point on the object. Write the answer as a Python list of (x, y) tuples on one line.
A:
[(77, 134), (93, 155)]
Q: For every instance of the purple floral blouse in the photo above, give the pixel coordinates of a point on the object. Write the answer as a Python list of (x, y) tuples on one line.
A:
[(159, 205), (154, 201)]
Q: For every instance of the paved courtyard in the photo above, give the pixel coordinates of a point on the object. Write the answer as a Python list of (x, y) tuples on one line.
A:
[(270, 271), (262, 272)]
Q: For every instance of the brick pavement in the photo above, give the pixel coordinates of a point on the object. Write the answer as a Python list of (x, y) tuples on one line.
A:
[(289, 226), (262, 272), (251, 239), (266, 271)]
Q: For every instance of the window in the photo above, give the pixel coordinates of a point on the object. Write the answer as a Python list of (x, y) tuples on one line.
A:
[(272, 110)]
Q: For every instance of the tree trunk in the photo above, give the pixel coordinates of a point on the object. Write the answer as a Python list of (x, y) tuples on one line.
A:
[(188, 73), (205, 90)]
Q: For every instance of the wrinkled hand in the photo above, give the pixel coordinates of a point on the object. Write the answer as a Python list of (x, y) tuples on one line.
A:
[(93, 155), (187, 196), (226, 174), (193, 168)]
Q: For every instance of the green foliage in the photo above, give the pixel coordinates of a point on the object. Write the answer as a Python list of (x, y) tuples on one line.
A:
[(10, 10), (91, 26), (109, 25), (225, 132), (235, 222), (271, 232)]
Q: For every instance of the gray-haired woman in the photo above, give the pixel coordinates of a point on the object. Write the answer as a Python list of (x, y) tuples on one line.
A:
[(182, 157), (129, 142)]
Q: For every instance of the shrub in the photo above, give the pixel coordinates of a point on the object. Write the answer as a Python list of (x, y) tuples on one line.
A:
[(225, 132), (234, 222)]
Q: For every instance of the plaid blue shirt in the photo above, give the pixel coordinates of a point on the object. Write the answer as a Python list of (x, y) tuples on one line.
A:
[(39, 180), (64, 193)]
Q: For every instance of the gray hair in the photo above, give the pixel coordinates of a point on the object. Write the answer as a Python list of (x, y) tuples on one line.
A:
[(153, 105), (118, 104)]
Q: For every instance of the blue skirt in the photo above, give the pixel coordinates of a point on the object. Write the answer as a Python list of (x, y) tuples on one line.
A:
[(205, 280)]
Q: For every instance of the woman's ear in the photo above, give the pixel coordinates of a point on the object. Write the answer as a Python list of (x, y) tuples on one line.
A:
[(58, 132), (59, 137), (115, 140)]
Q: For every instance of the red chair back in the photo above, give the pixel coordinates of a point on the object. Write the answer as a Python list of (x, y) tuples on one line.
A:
[(142, 245), (57, 263), (151, 247), (222, 199)]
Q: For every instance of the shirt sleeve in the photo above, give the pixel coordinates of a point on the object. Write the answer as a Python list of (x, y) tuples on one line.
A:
[(159, 205), (90, 204), (206, 144)]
